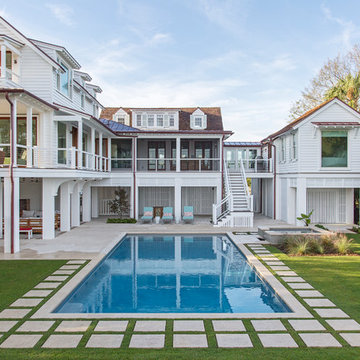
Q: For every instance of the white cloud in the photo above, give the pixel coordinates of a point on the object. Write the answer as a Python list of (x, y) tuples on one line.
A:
[(62, 12), (281, 63), (3, 13)]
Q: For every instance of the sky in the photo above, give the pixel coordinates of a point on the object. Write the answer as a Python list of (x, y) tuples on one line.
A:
[(250, 57)]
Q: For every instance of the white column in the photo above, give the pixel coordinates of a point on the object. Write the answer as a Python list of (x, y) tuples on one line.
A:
[(136, 201), (48, 209), (3, 61), (80, 143), (291, 203), (108, 168), (221, 154), (14, 131), (94, 202), (86, 203), (132, 207), (177, 199), (100, 150), (92, 142), (1, 209), (75, 206), (135, 154), (29, 136), (65, 223), (9, 214), (178, 151), (349, 206), (300, 199)]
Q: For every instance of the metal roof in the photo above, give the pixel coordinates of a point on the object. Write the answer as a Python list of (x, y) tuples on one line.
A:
[(242, 143), (117, 127)]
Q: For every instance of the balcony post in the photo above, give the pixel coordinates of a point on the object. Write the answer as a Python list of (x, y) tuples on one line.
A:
[(92, 140), (178, 150), (29, 136), (108, 167), (3, 62), (80, 143), (100, 151)]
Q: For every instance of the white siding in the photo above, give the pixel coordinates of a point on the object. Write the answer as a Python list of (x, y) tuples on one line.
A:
[(201, 198)]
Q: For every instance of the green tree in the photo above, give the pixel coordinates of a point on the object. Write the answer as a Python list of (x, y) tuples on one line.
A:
[(120, 205)]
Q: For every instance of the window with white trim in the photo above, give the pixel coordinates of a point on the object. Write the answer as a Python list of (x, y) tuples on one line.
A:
[(151, 120), (283, 149), (171, 120), (160, 120), (293, 146), (121, 119), (138, 119), (198, 121), (82, 100)]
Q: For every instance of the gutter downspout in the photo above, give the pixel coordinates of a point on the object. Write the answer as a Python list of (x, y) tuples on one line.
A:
[(222, 167), (274, 165), (134, 174), (11, 170)]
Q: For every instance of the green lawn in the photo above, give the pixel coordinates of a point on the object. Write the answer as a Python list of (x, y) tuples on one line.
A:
[(338, 278)]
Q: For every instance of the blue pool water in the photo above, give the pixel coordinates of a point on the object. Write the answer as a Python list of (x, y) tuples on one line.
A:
[(173, 274)]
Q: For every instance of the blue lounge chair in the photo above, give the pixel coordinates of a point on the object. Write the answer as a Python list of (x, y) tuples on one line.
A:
[(188, 214), (168, 214), (148, 214)]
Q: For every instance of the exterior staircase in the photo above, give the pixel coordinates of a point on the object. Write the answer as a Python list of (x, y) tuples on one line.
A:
[(236, 208)]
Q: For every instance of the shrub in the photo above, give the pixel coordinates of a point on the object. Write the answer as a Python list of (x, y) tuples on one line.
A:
[(297, 246), (342, 244), (121, 221), (356, 229), (327, 242), (316, 247)]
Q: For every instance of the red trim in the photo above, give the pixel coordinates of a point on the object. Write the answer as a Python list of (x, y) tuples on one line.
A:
[(336, 123), (134, 176), (273, 155)]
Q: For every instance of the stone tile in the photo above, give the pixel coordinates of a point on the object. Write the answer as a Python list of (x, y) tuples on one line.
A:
[(147, 341), (111, 325), (353, 339), (150, 325), (319, 302), (63, 272), (76, 262), (69, 267), (261, 252), (73, 326), (5, 326), (62, 341), (286, 273), (344, 325), (267, 257), (300, 286), (189, 325), (38, 293), (319, 340), (309, 293), (331, 313), (14, 313), (272, 262), (47, 285), (21, 341), (56, 278), (277, 340), (279, 268), (293, 279), (228, 325), (233, 340), (306, 325), (268, 325), (190, 341), (36, 326), (26, 302), (105, 341)]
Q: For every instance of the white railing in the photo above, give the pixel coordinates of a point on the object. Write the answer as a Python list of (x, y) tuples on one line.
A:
[(251, 165), (10, 75), (200, 164), (121, 164), (249, 197), (156, 164)]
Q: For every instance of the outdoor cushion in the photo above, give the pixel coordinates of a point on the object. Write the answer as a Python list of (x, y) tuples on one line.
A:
[(148, 213), (167, 215), (188, 214), (28, 213)]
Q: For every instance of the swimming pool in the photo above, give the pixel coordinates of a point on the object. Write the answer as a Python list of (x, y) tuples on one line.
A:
[(173, 274)]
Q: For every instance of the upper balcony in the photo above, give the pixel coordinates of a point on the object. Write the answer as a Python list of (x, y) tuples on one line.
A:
[(9, 62)]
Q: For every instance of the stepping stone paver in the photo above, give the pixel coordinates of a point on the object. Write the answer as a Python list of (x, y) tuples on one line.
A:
[(21, 341), (286, 273), (62, 341), (150, 325), (306, 325), (189, 325), (267, 257), (300, 286), (353, 339), (36, 326), (14, 313), (277, 340), (319, 340), (331, 313), (147, 341), (228, 325), (5, 326), (344, 325), (69, 267), (233, 340), (38, 293), (56, 278), (293, 279), (111, 325), (271, 263), (190, 341), (47, 285), (105, 341), (63, 272), (319, 302), (26, 302), (281, 268), (268, 325), (309, 293), (76, 262), (73, 326)]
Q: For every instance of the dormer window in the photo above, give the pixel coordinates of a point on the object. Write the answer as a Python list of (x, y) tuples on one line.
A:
[(138, 120), (121, 119), (171, 120), (150, 120), (65, 80), (160, 120), (198, 120)]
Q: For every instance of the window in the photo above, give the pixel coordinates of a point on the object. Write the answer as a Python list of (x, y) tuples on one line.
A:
[(151, 120), (121, 119), (293, 147), (171, 120), (65, 80), (138, 119), (334, 148), (160, 120), (83, 100), (198, 121), (283, 144)]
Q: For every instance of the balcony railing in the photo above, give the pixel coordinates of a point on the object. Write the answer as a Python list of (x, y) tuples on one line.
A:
[(121, 164), (251, 165), (10, 75), (200, 164)]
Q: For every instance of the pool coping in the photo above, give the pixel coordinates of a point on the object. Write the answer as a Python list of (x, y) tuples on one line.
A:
[(46, 311)]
